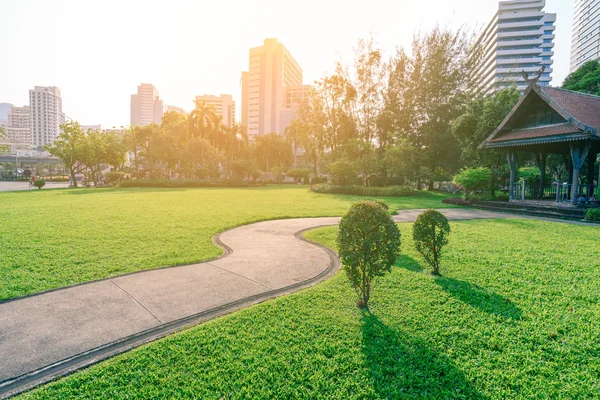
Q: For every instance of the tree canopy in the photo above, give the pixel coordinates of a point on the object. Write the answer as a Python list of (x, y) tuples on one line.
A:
[(586, 79)]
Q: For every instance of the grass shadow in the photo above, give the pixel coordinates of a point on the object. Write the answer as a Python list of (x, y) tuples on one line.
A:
[(409, 263), (401, 366), (478, 297)]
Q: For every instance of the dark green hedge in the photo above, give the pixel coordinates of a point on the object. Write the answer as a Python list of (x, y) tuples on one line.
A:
[(156, 183), (391, 191)]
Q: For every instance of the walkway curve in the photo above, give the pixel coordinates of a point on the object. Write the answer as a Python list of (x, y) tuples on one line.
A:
[(51, 334)]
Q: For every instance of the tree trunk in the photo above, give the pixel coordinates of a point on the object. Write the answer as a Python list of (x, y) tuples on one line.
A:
[(430, 188), (72, 171)]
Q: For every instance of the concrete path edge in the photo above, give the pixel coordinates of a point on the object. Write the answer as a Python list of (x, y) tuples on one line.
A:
[(67, 366)]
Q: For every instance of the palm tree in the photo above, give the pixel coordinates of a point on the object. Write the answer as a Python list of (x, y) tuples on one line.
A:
[(201, 120), (237, 140)]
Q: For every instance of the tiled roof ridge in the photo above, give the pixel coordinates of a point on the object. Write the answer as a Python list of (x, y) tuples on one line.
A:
[(569, 91)]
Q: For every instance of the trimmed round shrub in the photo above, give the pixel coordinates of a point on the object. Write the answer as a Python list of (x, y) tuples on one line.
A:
[(299, 174), (593, 214), (39, 183), (369, 244), (430, 234)]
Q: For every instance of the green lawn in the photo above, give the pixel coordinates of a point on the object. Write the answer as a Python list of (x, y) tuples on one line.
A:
[(516, 315), (53, 238)]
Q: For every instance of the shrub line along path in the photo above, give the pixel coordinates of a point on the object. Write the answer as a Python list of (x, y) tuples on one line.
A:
[(53, 333)]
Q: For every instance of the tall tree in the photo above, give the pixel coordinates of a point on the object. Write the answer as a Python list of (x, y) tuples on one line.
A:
[(438, 78), (68, 148)]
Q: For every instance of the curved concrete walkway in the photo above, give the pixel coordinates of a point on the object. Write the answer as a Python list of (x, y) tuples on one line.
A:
[(53, 333)]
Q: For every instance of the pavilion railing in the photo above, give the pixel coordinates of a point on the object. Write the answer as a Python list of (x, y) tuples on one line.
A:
[(585, 193), (524, 191)]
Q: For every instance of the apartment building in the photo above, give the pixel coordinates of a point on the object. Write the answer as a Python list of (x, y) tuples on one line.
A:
[(18, 127), (45, 103), (585, 40), (520, 37)]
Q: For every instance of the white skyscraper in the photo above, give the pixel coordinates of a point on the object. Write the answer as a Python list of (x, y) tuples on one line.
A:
[(146, 106), (520, 37), (46, 114), (585, 40)]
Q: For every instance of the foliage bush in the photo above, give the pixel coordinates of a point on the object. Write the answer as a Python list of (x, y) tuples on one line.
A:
[(316, 180), (299, 174), (457, 201), (390, 191), (39, 183), (343, 173), (155, 183), (430, 234), (369, 244), (473, 179), (593, 214), (531, 175), (114, 177)]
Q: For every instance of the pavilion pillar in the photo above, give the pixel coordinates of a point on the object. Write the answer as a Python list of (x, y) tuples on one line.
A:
[(591, 164), (579, 153), (541, 159), (512, 165)]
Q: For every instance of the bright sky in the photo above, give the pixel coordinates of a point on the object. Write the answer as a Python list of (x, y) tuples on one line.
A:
[(97, 52)]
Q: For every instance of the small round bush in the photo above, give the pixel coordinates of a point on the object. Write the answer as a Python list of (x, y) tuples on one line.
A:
[(39, 183), (369, 244), (593, 214), (430, 234)]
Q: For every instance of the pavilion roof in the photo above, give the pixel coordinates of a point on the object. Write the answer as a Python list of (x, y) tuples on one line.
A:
[(580, 110)]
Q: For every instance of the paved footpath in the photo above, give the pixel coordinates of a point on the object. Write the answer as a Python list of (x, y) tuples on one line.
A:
[(17, 186), (54, 333)]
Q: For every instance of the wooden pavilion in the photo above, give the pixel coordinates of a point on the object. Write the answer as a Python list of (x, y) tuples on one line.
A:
[(549, 120)]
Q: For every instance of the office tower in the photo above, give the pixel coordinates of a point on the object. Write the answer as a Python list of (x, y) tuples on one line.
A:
[(146, 106), (46, 114), (271, 68), (520, 37), (224, 106)]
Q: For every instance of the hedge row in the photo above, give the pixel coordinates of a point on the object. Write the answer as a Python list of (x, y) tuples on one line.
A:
[(157, 183), (391, 191)]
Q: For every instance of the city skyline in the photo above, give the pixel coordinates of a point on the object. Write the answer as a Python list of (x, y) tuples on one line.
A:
[(107, 66)]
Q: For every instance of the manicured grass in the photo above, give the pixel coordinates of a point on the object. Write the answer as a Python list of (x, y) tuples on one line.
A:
[(516, 315), (53, 238)]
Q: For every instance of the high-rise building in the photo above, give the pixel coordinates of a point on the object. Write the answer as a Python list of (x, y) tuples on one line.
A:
[(585, 40), (4, 109), (520, 37), (295, 96), (224, 106), (271, 68), (146, 106), (46, 114), (244, 82), (18, 128), (175, 109)]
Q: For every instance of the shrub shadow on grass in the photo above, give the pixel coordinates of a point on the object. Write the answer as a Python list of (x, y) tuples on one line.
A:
[(401, 366), (409, 263), (478, 297)]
